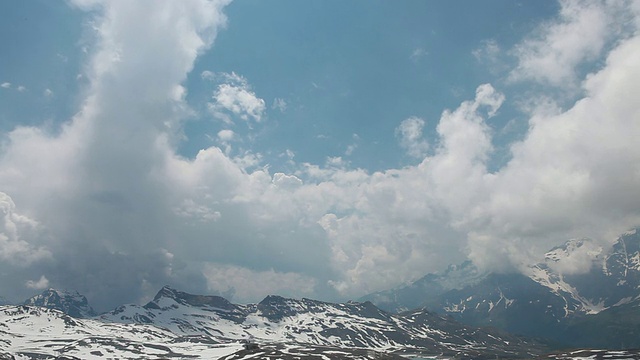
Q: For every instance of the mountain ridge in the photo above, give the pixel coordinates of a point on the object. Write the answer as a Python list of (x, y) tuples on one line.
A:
[(319, 323), (180, 318)]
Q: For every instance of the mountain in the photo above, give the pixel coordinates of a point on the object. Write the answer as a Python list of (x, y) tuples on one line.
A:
[(545, 300), (180, 325), (417, 294), (29, 332), (32, 332), (71, 303), (321, 324)]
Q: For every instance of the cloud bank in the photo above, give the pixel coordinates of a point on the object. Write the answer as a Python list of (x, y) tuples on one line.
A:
[(107, 206)]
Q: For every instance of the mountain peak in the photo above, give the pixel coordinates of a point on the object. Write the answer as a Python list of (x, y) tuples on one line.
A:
[(273, 299), (167, 292), (187, 299), (69, 302)]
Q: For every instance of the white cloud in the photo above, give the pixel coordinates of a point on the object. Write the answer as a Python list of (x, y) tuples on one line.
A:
[(577, 258), (580, 33), (116, 199), (5, 85), (490, 54), (353, 146), (39, 284), (239, 101), (234, 97), (95, 179), (411, 139), (243, 283), (226, 135), (284, 181), (15, 231), (575, 172), (208, 75), (488, 51), (350, 149), (21, 88), (190, 209), (279, 104), (47, 93)]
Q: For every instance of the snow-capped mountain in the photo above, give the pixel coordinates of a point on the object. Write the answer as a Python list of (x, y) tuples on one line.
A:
[(546, 300), (351, 325), (32, 332), (71, 303), (176, 324)]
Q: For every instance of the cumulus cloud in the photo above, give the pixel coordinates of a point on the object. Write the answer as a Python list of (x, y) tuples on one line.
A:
[(125, 214), (562, 178), (94, 181), (226, 135), (5, 85), (234, 97), (410, 134), (554, 51), (15, 231), (286, 181)]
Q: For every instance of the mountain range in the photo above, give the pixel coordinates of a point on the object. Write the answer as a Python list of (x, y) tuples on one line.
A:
[(596, 307), (461, 313), (175, 323)]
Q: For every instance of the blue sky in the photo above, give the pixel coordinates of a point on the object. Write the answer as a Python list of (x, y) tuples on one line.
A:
[(323, 149)]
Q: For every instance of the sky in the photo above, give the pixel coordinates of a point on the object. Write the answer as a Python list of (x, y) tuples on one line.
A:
[(322, 149)]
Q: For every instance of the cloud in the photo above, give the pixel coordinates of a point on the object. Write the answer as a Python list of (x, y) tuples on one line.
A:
[(552, 54), (233, 281), (15, 231), (279, 104), (93, 182), (106, 205), (47, 93), (8, 85), (576, 258), (418, 54), (235, 97), (490, 54), (488, 51), (573, 174), (39, 284), (282, 180), (410, 134), (190, 209)]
